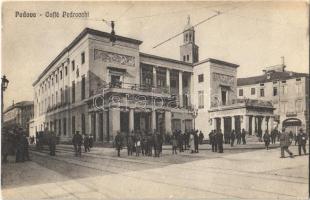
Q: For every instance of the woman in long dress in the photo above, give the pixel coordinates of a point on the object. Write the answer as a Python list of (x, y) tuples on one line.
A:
[(192, 143)]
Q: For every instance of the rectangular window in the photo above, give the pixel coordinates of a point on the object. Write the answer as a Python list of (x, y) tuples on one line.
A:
[(240, 92), (298, 79), (73, 92), (252, 91), (73, 65), (298, 106), (200, 99), (184, 58), (61, 96), (187, 57), (262, 84), (66, 98), (284, 89), (173, 83), (65, 126), (66, 71), (275, 91), (283, 81), (299, 89), (262, 92), (73, 125), (56, 78), (60, 75), (200, 78), (83, 57), (83, 88)]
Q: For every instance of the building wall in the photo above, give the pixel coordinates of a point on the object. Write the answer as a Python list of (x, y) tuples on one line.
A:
[(287, 99), (211, 87)]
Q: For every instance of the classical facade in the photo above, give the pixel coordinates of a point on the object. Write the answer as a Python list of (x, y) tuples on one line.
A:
[(98, 85), (288, 91), (19, 114)]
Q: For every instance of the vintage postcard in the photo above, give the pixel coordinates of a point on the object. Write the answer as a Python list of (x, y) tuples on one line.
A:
[(155, 100)]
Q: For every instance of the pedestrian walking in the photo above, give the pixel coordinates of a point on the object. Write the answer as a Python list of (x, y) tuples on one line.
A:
[(266, 138), (212, 140), (243, 133), (130, 144), (77, 141), (302, 141), (52, 143), (118, 141), (201, 136), (91, 141), (192, 143), (232, 138), (174, 144), (273, 136), (196, 141), (285, 143), (86, 143), (238, 136), (138, 145), (219, 141)]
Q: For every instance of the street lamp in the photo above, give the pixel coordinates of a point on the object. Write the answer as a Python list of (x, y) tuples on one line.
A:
[(194, 114), (4, 85)]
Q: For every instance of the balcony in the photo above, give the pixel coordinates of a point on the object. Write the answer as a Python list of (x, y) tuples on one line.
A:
[(120, 87)]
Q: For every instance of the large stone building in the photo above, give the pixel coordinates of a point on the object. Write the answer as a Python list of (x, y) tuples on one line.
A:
[(288, 91), (100, 86), (18, 114)]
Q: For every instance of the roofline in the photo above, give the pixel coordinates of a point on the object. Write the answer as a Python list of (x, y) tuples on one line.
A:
[(220, 62), (76, 40), (18, 104), (166, 59), (271, 80)]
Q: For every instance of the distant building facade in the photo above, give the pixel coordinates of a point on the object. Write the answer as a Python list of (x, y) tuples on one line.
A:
[(19, 114), (101, 87), (288, 91)]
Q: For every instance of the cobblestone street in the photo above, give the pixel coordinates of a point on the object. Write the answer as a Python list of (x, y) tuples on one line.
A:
[(100, 174)]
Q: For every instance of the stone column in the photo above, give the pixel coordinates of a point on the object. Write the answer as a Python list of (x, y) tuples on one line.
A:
[(263, 125), (114, 122), (131, 119), (213, 123), (168, 79), (233, 123), (270, 125), (97, 125), (153, 120), (253, 125), (154, 77), (89, 123), (181, 88), (222, 124), (168, 122), (246, 123)]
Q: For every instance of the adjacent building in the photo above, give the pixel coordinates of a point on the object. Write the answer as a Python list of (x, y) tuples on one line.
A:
[(19, 114), (102, 84), (288, 91)]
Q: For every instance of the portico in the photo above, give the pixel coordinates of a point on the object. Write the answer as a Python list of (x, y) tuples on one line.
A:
[(254, 116)]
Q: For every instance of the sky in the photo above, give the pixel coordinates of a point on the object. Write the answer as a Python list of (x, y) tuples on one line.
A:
[(253, 35)]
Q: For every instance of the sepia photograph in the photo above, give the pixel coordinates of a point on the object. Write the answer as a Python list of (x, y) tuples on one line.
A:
[(155, 100)]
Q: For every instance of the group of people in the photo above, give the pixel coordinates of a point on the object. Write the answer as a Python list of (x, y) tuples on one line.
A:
[(286, 139), (230, 137), (14, 142), (149, 143), (189, 140), (140, 142), (78, 140)]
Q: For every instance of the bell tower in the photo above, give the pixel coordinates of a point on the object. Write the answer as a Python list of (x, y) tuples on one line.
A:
[(189, 50)]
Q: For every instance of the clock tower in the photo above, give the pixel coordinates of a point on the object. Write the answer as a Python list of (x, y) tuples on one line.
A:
[(189, 50)]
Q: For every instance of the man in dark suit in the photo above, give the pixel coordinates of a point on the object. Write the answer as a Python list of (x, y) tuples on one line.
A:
[(219, 141)]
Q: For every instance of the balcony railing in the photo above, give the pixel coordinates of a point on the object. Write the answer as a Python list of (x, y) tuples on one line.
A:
[(130, 86)]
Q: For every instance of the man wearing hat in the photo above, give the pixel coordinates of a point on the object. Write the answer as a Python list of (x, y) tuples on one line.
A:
[(285, 143), (302, 140)]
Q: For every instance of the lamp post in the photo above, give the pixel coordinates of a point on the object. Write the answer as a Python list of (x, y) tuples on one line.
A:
[(4, 85), (194, 114)]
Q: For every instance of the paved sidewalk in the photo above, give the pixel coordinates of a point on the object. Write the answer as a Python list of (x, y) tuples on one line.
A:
[(258, 174)]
